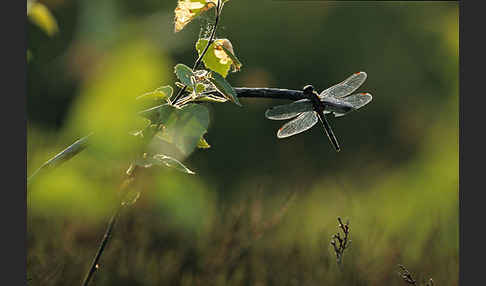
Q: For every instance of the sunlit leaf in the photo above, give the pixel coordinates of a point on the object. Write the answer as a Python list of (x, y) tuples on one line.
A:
[(167, 90), (63, 156), (156, 97), (228, 49), (203, 144), (215, 58), (159, 94), (224, 87), (39, 14), (187, 10), (162, 160)]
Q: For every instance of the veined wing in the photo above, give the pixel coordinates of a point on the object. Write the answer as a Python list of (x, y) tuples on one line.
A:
[(300, 124), (357, 100), (287, 111), (345, 87)]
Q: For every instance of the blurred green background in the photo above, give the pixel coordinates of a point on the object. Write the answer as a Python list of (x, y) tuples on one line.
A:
[(396, 178)]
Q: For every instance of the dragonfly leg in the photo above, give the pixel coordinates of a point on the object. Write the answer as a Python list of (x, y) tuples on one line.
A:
[(329, 132)]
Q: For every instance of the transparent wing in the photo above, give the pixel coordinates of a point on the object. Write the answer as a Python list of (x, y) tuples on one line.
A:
[(358, 100), (300, 124), (287, 111), (345, 87)]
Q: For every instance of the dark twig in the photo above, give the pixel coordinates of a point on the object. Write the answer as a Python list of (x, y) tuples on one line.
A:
[(199, 60), (104, 242), (109, 230), (264, 92), (341, 243), (407, 277), (272, 93), (255, 92)]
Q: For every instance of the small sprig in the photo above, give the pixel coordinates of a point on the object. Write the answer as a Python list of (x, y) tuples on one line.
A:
[(407, 277), (341, 242)]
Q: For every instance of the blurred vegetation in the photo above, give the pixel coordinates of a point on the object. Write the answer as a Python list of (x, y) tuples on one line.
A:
[(261, 210)]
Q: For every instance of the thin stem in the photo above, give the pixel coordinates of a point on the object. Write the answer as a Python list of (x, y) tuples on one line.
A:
[(211, 38), (273, 93), (199, 60), (263, 92), (131, 172), (104, 242)]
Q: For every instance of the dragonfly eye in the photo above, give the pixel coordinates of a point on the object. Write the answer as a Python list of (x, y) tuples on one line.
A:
[(308, 88)]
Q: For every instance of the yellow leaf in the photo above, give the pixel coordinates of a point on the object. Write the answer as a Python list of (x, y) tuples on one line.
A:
[(42, 17), (203, 144), (220, 53), (187, 10)]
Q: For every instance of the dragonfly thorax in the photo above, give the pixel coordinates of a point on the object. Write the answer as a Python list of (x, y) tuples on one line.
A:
[(308, 89), (313, 96)]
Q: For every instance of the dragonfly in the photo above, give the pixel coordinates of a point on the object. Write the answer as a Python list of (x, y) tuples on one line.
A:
[(336, 100)]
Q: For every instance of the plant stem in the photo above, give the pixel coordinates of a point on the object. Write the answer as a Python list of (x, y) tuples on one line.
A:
[(273, 93), (104, 242), (199, 60), (94, 265)]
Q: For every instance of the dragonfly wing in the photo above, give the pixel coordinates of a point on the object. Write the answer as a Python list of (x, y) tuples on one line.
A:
[(287, 111), (345, 87), (358, 100), (300, 124)]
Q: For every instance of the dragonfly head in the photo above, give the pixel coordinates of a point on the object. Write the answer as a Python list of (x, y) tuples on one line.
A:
[(308, 89)]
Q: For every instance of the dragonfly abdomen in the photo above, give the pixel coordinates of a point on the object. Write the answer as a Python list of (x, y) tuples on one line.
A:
[(337, 106)]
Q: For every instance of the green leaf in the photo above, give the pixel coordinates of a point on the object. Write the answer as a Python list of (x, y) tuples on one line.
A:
[(200, 88), (63, 156), (214, 59), (162, 160), (167, 90), (158, 114), (184, 74), (223, 87), (40, 15), (184, 126), (158, 96), (146, 134)]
